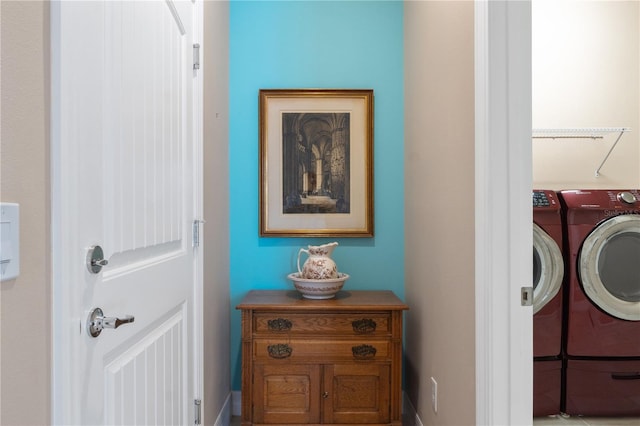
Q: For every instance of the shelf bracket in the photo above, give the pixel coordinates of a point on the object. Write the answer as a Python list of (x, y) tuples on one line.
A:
[(609, 153)]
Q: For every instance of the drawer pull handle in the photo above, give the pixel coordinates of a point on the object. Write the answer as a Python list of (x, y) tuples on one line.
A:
[(363, 352), (279, 351), (625, 376), (280, 324), (364, 325)]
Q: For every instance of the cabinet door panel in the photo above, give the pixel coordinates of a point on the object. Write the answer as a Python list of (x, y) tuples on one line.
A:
[(285, 394), (356, 393)]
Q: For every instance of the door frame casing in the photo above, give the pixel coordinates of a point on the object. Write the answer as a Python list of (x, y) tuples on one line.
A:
[(504, 333), (62, 298), (198, 182)]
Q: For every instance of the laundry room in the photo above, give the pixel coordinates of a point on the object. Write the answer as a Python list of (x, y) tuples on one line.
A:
[(586, 211)]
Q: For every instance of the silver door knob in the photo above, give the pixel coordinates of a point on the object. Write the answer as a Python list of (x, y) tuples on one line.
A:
[(96, 322)]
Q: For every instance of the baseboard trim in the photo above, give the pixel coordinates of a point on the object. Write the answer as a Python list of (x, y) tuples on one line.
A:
[(236, 403), (409, 415), (224, 417)]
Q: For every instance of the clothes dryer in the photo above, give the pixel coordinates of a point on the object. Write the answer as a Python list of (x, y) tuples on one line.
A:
[(548, 277), (603, 305)]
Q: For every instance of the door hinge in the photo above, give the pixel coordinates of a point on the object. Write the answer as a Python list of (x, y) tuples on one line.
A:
[(196, 232), (196, 56), (526, 296), (198, 411)]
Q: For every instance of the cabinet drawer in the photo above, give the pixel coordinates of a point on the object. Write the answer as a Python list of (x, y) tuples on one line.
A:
[(317, 349), (375, 323)]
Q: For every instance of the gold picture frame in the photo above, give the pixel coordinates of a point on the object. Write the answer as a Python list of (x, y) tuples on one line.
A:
[(316, 163)]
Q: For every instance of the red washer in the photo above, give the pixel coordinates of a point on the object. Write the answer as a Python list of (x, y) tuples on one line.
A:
[(548, 274), (548, 278), (603, 306)]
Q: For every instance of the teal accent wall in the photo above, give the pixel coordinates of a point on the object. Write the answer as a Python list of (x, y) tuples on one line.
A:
[(314, 44)]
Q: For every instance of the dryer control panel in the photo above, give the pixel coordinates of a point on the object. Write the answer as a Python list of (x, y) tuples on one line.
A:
[(625, 197), (602, 199)]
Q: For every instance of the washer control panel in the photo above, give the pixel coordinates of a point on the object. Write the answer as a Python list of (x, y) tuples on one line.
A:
[(544, 198), (540, 199)]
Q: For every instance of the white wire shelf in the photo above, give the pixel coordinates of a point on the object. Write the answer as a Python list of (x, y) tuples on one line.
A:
[(593, 133)]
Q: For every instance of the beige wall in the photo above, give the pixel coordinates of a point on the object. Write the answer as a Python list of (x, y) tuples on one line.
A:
[(24, 175), (25, 303), (586, 73), (439, 209), (216, 201)]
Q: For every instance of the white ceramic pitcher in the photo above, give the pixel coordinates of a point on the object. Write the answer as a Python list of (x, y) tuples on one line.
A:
[(319, 265)]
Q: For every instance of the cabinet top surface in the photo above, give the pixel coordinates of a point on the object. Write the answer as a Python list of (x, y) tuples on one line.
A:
[(291, 299)]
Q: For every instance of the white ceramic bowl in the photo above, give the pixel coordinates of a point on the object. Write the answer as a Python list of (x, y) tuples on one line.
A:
[(318, 289)]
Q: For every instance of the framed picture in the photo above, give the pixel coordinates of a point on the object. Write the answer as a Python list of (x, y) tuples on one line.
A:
[(316, 163)]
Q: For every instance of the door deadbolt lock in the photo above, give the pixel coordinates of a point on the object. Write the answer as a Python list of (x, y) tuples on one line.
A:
[(96, 322), (95, 259)]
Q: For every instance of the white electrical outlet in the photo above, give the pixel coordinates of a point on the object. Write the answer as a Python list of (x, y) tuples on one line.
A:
[(9, 241), (434, 395)]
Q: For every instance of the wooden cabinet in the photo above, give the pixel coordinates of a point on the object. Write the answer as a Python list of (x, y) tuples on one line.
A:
[(321, 361)]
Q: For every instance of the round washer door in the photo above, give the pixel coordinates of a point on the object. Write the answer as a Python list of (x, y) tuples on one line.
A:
[(548, 268), (609, 266)]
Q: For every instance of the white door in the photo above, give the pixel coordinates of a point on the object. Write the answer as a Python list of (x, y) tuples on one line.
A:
[(125, 142)]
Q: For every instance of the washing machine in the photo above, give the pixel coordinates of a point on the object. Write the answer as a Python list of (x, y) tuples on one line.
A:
[(548, 274), (548, 278), (603, 302)]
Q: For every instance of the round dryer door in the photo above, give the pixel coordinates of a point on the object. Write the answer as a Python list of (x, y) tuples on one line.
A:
[(609, 266), (548, 268)]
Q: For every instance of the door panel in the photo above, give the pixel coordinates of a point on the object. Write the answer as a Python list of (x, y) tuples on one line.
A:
[(142, 380), (357, 393), (146, 129), (286, 394)]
